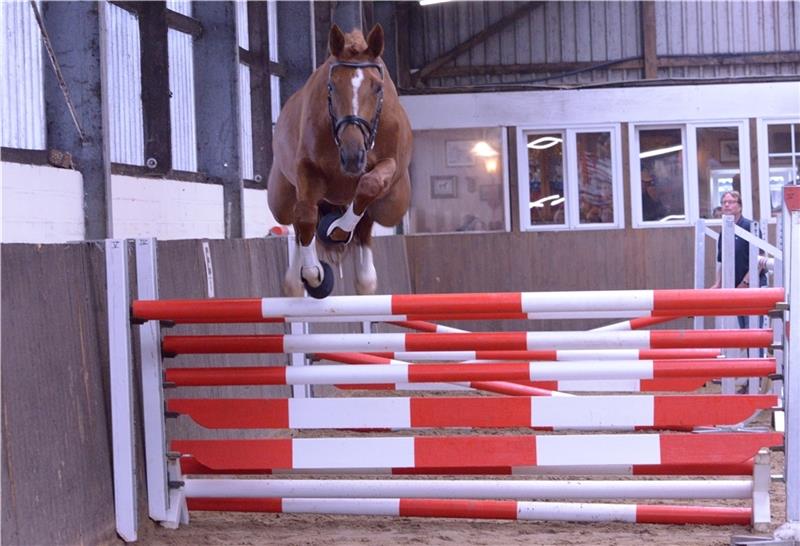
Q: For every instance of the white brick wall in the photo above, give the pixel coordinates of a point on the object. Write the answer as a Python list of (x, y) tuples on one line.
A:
[(258, 219), (40, 204), (166, 209), (45, 205)]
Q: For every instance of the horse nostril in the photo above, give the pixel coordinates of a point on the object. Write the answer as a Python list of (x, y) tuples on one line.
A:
[(362, 156)]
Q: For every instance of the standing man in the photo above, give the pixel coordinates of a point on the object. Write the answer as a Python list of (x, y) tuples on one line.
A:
[(732, 205)]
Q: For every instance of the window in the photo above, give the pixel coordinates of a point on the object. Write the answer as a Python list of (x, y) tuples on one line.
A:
[(717, 168), (569, 178), (546, 178), (779, 163), (458, 181), (659, 191), (679, 172)]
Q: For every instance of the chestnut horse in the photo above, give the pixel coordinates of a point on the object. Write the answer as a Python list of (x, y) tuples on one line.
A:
[(341, 147)]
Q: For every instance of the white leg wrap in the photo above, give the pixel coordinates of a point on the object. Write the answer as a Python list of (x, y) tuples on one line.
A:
[(366, 276), (347, 222), (292, 285), (311, 269)]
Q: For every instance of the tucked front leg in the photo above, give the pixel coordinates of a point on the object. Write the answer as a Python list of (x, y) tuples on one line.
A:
[(372, 185), (305, 223), (315, 275)]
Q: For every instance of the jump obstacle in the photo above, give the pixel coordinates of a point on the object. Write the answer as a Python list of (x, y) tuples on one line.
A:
[(632, 435)]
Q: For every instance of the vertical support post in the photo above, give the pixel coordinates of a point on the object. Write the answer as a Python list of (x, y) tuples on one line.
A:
[(121, 381), (760, 495), (299, 359), (403, 74), (699, 264), (728, 277), (778, 279), (298, 328), (347, 14), (155, 86), (649, 40), (754, 321), (260, 90), (155, 445), (791, 373), (76, 31), (384, 13), (216, 56)]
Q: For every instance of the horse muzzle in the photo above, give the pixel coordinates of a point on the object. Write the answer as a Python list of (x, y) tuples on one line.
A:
[(353, 161)]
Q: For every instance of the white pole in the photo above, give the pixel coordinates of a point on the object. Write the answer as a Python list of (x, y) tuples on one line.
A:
[(470, 489), (791, 372), (728, 274), (121, 380), (700, 264)]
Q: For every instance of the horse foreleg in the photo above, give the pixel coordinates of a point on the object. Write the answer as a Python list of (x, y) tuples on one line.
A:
[(305, 223), (366, 276), (371, 186), (316, 276), (292, 283)]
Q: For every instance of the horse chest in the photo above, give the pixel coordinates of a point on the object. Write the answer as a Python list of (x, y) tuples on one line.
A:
[(340, 190)]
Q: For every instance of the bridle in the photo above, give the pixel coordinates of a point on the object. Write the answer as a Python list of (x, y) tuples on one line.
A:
[(368, 129)]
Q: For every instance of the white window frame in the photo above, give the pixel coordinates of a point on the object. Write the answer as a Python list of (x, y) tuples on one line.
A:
[(762, 140), (569, 133), (690, 179), (745, 175)]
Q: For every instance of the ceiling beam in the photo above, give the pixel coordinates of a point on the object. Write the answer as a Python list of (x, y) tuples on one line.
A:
[(673, 61), (432, 67)]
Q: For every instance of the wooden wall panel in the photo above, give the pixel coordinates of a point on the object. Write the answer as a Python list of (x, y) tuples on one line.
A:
[(548, 261), (56, 454)]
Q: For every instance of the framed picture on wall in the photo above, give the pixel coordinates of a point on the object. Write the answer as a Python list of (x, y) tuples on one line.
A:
[(729, 150), (444, 187), (458, 153)]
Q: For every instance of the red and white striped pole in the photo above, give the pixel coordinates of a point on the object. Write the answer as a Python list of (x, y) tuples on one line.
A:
[(517, 341), (672, 302), (585, 412), (496, 371), (487, 509), (475, 451)]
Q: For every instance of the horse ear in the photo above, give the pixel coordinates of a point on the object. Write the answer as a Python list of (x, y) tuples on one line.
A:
[(375, 41), (336, 41)]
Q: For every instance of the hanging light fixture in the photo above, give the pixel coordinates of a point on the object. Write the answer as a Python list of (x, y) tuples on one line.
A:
[(483, 149), (545, 142)]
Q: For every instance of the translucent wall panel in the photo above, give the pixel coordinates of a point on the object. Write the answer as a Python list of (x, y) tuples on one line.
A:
[(124, 86), (21, 78), (182, 101)]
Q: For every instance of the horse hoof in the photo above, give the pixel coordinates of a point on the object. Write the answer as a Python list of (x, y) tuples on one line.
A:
[(324, 225), (325, 287)]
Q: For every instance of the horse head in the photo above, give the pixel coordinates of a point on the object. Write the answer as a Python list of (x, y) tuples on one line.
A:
[(355, 94)]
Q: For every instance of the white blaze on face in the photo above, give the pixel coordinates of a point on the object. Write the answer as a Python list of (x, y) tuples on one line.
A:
[(358, 77)]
